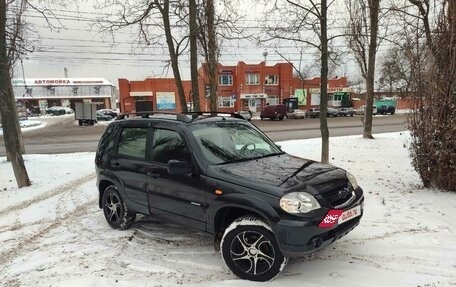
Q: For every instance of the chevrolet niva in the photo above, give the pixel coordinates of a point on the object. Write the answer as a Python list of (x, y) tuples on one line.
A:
[(222, 175)]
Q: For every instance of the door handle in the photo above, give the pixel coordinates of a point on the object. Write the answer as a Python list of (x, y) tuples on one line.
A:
[(116, 164)]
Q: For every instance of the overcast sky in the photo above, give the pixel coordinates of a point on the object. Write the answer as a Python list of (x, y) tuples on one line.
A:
[(79, 47)]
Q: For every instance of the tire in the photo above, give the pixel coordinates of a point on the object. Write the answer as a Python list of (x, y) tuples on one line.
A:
[(280, 118), (115, 210), (248, 239)]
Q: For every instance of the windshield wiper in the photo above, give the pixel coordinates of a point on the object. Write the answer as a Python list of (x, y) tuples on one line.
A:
[(251, 158)]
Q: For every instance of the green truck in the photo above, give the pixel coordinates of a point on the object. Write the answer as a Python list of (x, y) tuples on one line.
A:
[(385, 106)]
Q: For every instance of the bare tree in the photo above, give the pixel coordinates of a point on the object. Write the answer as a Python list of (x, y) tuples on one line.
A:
[(193, 12), (208, 42), (11, 33), (363, 41), (146, 17), (433, 123), (307, 24)]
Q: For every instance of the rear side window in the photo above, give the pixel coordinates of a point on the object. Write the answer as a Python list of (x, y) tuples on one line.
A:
[(168, 145), (106, 143), (132, 143)]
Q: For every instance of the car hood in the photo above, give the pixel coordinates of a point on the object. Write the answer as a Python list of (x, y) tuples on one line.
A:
[(281, 173)]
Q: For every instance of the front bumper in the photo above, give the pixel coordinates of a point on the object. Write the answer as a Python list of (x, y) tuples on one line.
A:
[(297, 238)]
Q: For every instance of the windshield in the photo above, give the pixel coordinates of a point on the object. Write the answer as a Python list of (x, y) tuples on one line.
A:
[(224, 142)]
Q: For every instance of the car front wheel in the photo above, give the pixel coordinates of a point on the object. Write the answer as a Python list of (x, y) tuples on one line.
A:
[(115, 210), (250, 250)]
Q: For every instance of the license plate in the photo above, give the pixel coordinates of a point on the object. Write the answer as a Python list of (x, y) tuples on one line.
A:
[(349, 214)]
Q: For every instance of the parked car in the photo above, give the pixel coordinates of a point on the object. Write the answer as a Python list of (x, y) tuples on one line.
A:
[(344, 112), (58, 111), (245, 114), (384, 109), (103, 117), (274, 112), (362, 110), (224, 176), (296, 114), (313, 113), (109, 112), (331, 112)]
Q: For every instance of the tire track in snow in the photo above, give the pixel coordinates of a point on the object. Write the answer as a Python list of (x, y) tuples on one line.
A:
[(29, 243), (58, 190)]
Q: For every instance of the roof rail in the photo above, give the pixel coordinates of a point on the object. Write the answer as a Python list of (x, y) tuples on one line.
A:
[(147, 114), (195, 115), (184, 116)]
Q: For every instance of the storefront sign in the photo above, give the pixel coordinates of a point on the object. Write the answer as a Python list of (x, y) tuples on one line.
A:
[(141, 94), (253, 96), (301, 94), (330, 90), (166, 101)]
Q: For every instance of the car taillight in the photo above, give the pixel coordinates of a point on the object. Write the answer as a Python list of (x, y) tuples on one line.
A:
[(330, 219)]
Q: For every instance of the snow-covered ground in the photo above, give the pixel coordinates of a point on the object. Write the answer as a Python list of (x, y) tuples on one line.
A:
[(53, 234)]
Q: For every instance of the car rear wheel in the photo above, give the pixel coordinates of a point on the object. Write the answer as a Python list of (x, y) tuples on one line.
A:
[(250, 250), (115, 210)]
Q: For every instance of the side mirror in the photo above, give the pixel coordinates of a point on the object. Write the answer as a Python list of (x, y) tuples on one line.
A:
[(176, 167)]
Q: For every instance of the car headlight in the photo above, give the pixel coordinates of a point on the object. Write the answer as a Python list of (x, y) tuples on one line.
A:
[(352, 180), (298, 202)]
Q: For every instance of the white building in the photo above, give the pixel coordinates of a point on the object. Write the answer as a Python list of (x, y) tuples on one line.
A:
[(48, 92)]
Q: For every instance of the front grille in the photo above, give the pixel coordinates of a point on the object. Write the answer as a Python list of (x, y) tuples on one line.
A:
[(339, 196)]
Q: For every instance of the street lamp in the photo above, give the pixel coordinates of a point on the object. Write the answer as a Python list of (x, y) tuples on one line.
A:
[(265, 55)]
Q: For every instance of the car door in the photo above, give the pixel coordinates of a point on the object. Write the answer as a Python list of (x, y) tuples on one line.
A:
[(179, 197), (130, 166)]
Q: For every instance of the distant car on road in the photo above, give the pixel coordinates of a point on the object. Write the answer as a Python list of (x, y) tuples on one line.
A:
[(58, 111), (103, 117), (108, 112), (362, 110), (384, 110), (245, 114), (344, 112), (296, 114), (313, 113), (274, 112), (331, 112)]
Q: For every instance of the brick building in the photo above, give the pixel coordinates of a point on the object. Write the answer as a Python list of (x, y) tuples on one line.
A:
[(244, 86)]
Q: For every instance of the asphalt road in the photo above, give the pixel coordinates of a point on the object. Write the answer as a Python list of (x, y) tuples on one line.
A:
[(63, 135)]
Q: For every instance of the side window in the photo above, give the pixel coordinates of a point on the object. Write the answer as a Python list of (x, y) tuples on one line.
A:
[(107, 140), (132, 143), (168, 145)]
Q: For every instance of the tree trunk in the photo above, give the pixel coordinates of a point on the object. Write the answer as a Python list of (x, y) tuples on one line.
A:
[(9, 118), (164, 10), (212, 55), (324, 85), (194, 55), (373, 15)]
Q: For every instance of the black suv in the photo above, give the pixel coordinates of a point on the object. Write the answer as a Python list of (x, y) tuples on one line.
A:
[(222, 175)]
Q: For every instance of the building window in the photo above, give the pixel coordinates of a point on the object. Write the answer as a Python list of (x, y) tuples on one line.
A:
[(271, 80), (225, 102), (225, 80), (273, 100), (75, 90), (252, 79), (337, 97)]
